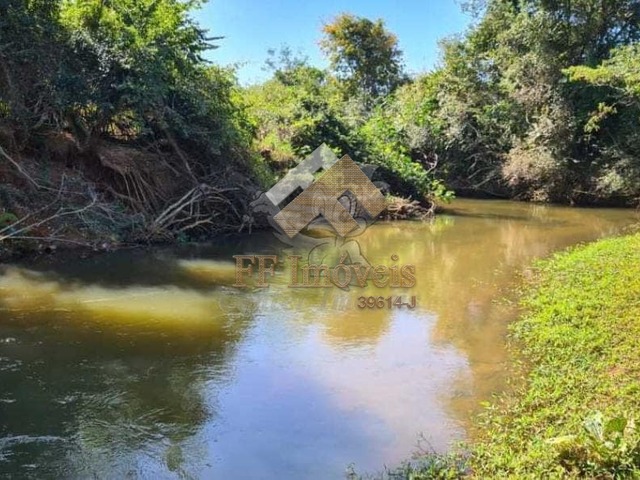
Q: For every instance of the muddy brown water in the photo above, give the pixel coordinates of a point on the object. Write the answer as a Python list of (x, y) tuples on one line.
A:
[(150, 364)]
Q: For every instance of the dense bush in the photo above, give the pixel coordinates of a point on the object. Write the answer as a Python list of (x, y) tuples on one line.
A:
[(402, 136), (296, 111), (521, 122), (301, 107), (127, 70), (120, 92)]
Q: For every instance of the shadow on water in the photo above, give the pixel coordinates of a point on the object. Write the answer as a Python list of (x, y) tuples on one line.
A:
[(149, 363)]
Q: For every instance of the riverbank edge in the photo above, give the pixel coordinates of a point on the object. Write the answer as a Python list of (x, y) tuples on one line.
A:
[(573, 406), (398, 209), (577, 354)]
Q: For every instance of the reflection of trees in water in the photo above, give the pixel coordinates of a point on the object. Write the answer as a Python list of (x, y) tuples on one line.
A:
[(463, 276), (462, 271), (84, 398), (336, 308)]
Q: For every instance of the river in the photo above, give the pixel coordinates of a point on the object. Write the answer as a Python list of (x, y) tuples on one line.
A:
[(148, 363)]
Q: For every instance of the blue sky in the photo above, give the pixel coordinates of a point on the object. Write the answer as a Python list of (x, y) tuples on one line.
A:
[(251, 27)]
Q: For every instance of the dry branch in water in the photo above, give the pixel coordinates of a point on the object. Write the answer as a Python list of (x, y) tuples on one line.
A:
[(401, 209), (196, 208)]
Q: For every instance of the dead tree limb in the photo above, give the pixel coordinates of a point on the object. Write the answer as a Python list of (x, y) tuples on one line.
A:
[(20, 169)]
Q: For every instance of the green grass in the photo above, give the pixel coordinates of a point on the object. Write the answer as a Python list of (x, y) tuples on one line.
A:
[(576, 388), (580, 346)]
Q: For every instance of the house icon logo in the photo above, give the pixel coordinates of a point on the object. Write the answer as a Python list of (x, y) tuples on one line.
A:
[(322, 188)]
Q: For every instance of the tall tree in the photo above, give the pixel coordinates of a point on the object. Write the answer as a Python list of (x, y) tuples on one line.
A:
[(364, 56)]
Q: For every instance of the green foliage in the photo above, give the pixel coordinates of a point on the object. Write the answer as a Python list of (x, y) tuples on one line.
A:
[(398, 137), (403, 135), (363, 55), (429, 466), (29, 46), (514, 126), (539, 100), (119, 91), (432, 467), (580, 355), (148, 76), (302, 107), (621, 71), (7, 219), (611, 118), (602, 448), (295, 112), (125, 69)]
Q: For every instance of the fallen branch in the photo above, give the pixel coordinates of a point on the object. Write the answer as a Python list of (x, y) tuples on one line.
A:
[(14, 233), (20, 169)]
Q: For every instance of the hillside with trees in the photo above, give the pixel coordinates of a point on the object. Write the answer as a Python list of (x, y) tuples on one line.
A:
[(113, 126)]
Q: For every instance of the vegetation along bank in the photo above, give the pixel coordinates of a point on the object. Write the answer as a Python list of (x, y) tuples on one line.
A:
[(114, 128)]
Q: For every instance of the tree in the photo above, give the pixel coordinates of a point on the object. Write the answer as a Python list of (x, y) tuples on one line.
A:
[(135, 54), (295, 111), (610, 117), (363, 55), (516, 127), (402, 136), (31, 50), (621, 72)]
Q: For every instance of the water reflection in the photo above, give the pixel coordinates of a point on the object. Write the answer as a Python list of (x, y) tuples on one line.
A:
[(151, 363), (103, 381)]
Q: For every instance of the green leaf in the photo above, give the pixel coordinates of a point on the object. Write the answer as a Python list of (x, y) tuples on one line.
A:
[(615, 425)]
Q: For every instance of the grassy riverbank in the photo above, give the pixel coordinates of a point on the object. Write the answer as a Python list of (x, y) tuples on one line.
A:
[(579, 341), (572, 412)]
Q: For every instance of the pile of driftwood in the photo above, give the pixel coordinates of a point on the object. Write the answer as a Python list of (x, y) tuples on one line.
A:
[(403, 209), (109, 193), (174, 193)]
